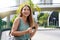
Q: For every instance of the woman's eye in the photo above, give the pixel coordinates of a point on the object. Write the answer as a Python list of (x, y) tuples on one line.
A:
[(24, 9)]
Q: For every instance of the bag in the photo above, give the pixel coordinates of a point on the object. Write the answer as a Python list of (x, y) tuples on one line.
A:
[(11, 37)]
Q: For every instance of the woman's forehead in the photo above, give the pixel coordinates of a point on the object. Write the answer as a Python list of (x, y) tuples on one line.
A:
[(25, 7)]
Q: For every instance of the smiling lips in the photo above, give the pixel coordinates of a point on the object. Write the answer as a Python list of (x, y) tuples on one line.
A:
[(27, 13)]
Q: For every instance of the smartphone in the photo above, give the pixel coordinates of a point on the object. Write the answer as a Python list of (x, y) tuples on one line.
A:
[(33, 28)]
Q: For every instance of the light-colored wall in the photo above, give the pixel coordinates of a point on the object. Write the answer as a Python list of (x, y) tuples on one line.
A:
[(59, 19)]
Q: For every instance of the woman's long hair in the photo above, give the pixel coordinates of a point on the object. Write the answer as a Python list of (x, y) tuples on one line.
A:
[(29, 18)]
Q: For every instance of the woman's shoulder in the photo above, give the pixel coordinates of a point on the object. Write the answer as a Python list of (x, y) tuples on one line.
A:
[(17, 18)]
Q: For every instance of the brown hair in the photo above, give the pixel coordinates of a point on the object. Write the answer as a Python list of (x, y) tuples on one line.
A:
[(29, 18)]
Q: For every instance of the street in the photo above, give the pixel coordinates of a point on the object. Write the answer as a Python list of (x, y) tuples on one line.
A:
[(40, 35), (47, 35)]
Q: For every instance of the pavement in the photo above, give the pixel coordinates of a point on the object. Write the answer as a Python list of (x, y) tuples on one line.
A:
[(43, 29), (35, 37), (47, 34)]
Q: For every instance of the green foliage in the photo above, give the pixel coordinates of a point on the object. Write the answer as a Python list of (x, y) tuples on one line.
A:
[(30, 3), (42, 19), (11, 22), (0, 23), (40, 15), (15, 15)]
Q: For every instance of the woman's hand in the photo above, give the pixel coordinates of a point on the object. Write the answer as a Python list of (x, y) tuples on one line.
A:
[(30, 30), (35, 27)]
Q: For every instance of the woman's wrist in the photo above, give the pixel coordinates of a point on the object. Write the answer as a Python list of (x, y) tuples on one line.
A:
[(27, 31)]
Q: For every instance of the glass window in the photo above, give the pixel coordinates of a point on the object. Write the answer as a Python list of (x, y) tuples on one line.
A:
[(41, 2), (48, 2)]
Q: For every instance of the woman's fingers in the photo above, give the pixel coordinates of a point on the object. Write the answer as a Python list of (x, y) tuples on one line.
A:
[(30, 30)]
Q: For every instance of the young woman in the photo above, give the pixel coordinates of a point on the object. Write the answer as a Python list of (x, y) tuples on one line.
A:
[(23, 24)]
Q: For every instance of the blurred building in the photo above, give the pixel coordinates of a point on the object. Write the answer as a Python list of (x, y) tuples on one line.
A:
[(9, 7)]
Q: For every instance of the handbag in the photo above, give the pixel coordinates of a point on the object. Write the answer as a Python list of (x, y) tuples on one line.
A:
[(11, 37)]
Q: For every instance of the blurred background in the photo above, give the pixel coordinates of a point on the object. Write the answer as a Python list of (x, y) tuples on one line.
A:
[(45, 12)]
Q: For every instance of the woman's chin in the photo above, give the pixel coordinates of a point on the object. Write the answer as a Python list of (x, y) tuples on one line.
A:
[(26, 15)]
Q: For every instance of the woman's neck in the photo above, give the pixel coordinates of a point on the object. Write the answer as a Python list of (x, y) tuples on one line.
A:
[(24, 18)]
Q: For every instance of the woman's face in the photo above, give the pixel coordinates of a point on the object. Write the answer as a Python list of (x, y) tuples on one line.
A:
[(26, 11)]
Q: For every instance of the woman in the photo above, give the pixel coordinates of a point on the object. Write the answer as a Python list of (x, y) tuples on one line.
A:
[(23, 24)]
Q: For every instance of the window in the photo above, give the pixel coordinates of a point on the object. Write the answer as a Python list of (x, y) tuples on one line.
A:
[(42, 2), (48, 2)]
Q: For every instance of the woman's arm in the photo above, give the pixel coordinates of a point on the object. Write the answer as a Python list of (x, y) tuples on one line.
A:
[(36, 27), (14, 31)]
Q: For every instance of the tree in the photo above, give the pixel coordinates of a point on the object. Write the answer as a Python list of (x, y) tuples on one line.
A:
[(28, 2), (0, 23), (11, 22), (42, 19)]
